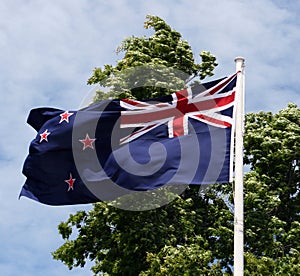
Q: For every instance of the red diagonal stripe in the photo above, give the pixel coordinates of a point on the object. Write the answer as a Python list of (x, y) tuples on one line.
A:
[(135, 103), (221, 85), (213, 120)]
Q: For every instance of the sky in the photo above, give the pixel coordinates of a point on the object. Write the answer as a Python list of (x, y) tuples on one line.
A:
[(48, 50)]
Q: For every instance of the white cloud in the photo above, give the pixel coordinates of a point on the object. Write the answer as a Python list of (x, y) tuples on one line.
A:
[(48, 50)]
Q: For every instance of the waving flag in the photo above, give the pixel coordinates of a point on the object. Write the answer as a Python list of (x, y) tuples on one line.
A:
[(114, 147)]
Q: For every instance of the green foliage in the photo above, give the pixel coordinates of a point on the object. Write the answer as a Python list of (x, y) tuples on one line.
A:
[(286, 265), (127, 243), (272, 201), (152, 66), (182, 260), (193, 235)]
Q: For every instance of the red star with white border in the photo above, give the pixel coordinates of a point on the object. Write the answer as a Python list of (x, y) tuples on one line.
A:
[(87, 142), (44, 136), (70, 182), (65, 116)]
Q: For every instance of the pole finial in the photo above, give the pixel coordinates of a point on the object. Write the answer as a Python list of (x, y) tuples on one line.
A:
[(239, 58), (239, 64)]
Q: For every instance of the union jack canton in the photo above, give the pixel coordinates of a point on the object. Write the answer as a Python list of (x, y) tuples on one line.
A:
[(205, 107)]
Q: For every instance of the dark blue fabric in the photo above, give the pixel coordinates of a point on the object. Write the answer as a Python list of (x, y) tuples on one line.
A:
[(50, 163)]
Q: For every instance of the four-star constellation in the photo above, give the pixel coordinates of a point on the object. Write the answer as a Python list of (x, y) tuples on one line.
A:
[(87, 143)]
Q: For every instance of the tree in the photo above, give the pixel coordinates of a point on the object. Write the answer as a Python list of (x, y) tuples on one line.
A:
[(127, 243), (164, 50), (193, 235), (115, 239), (272, 200)]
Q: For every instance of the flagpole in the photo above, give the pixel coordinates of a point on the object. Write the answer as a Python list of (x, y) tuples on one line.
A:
[(239, 177)]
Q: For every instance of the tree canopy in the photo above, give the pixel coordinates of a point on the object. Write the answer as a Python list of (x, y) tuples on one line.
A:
[(193, 235), (164, 50), (272, 200)]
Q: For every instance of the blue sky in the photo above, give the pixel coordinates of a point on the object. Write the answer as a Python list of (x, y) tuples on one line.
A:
[(48, 50)]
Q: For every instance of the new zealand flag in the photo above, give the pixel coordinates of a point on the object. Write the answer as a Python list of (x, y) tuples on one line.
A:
[(114, 147)]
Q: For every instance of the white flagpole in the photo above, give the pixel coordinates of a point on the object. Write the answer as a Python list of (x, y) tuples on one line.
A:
[(239, 176)]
